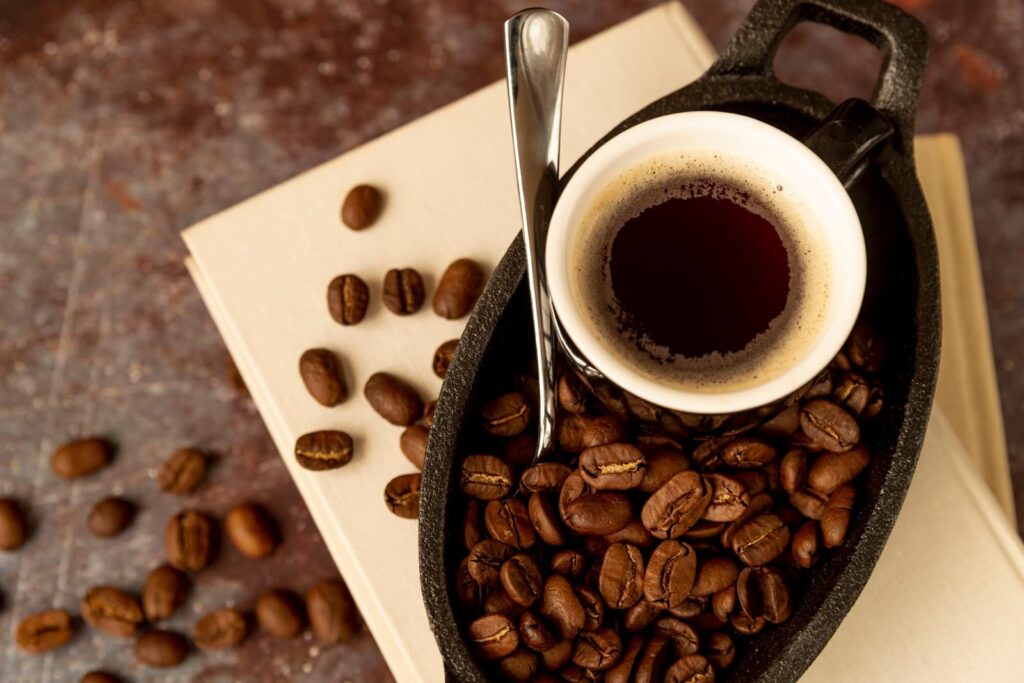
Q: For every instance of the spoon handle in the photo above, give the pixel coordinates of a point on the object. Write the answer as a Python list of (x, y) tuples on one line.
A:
[(536, 42)]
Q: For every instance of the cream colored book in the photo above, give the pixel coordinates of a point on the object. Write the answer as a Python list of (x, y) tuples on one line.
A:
[(263, 266)]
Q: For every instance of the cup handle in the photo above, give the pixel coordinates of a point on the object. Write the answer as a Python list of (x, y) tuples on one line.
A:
[(849, 137)]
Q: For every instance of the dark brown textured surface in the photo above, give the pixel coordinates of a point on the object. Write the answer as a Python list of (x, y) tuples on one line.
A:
[(122, 123)]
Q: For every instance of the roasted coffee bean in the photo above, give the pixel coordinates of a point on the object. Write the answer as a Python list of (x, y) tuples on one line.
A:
[(13, 529), (690, 669), (613, 466), (677, 505), (403, 291), (829, 425), (593, 607), (597, 650), (602, 430), (333, 615), (571, 395), (468, 592), (428, 414), (594, 547), (473, 523), (485, 560), (713, 575), (622, 671), (719, 649), (220, 630), (279, 613), (545, 476), (499, 602), (321, 373), (621, 579), (561, 606), (670, 574), (852, 392), (251, 530), (754, 481), (458, 289), (683, 637), (361, 207), (544, 517), (747, 625), (835, 518), (875, 403), (556, 657), (598, 513), (759, 504), (164, 592), (99, 677), (506, 415), (413, 444), (189, 540), (689, 608), (569, 432), (704, 530), (820, 387), (832, 470), (865, 348), (402, 495), (793, 470), (651, 663), (663, 463), (324, 450), (729, 500), (804, 548), (534, 633), (760, 540), (708, 453), (443, 357), (80, 458), (161, 649), (641, 615), (747, 452), (519, 450), (182, 472), (577, 674), (508, 521), (44, 631), (634, 533), (393, 399), (572, 488), (486, 477), (782, 424), (112, 610), (348, 297), (569, 563), (493, 636), (521, 578), (518, 667), (810, 503), (723, 603), (776, 598)]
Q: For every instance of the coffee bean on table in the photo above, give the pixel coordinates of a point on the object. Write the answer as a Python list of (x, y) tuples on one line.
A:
[(413, 444), (81, 457), (677, 505), (393, 399), (458, 289), (545, 476), (279, 613), (99, 677), (110, 516), (597, 650), (252, 530), (403, 291), (543, 512), (161, 649), (521, 578), (561, 606), (621, 578), (164, 592), (829, 426), (760, 540), (598, 513), (835, 518), (44, 631), (486, 477), (323, 450), (402, 495), (493, 636), (690, 669), (112, 610), (361, 207), (832, 470), (506, 415), (182, 472), (321, 373), (443, 357), (507, 520), (613, 466), (13, 529), (219, 630), (189, 540), (333, 615), (485, 560), (670, 574), (748, 452), (713, 575), (347, 299)]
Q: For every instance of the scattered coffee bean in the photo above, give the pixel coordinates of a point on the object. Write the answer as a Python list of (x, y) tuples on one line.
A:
[(361, 207), (110, 516), (347, 299), (112, 610), (443, 357), (161, 649), (486, 477), (189, 540), (99, 677), (164, 592), (333, 615), (393, 399), (829, 425), (182, 472), (324, 450), (251, 530), (493, 636), (458, 289), (621, 579), (677, 505), (321, 373), (402, 495), (506, 415), (403, 291), (413, 444), (13, 529), (80, 458), (44, 631), (613, 466), (832, 470), (279, 613), (220, 630)]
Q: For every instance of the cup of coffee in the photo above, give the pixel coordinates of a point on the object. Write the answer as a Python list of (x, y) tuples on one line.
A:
[(705, 267)]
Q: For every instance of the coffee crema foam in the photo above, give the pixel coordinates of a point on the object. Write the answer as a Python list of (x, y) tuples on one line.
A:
[(648, 183)]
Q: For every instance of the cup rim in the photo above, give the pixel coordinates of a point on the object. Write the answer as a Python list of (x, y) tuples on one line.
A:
[(843, 309)]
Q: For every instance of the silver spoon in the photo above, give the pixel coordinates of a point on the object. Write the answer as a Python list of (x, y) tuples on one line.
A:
[(536, 42)]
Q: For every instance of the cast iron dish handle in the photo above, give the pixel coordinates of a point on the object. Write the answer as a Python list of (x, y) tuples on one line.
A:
[(901, 39)]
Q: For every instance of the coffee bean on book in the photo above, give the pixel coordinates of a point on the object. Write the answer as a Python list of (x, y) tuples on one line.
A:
[(219, 630), (189, 540), (458, 289), (402, 495), (80, 458), (393, 399), (332, 612), (44, 631), (361, 207), (403, 291), (182, 472), (13, 529), (324, 450), (164, 592), (321, 373), (161, 649), (251, 530), (443, 357), (110, 516), (112, 610), (348, 297)]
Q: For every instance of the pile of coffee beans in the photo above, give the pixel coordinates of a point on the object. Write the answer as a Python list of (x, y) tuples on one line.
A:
[(631, 556)]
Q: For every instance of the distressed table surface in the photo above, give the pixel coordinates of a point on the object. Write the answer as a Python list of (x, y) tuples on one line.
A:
[(122, 122)]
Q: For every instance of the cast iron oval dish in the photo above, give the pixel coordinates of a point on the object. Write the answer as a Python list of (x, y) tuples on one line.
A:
[(902, 301)]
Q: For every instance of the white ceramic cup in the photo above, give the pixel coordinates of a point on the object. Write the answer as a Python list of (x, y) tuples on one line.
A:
[(825, 209)]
